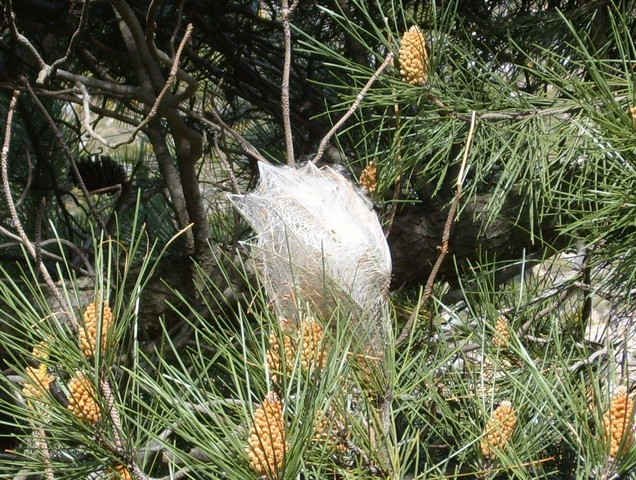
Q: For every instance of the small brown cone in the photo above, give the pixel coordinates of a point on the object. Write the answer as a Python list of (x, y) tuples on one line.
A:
[(88, 331), (267, 442), (618, 422), (369, 177), (82, 400), (413, 57), (632, 111), (121, 472), (501, 338), (312, 345), (499, 429), (37, 382)]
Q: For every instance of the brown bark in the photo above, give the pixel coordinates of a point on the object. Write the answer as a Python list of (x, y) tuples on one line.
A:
[(172, 180)]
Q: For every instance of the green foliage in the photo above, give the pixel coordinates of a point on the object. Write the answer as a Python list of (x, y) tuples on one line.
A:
[(187, 403)]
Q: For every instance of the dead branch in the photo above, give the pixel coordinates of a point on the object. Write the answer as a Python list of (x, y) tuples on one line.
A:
[(289, 140)]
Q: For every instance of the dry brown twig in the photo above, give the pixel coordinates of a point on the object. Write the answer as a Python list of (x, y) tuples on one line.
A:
[(289, 139), (4, 166), (354, 106), (444, 247)]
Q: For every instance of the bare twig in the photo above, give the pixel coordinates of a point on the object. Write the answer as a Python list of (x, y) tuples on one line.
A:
[(113, 88), (448, 226), (71, 43), (4, 167), (88, 271), (354, 106), (289, 139)]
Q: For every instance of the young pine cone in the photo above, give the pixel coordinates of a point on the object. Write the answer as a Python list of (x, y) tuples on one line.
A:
[(413, 57), (501, 338), (37, 382), (88, 331), (618, 421), (82, 400), (369, 177), (312, 345), (267, 442), (499, 429), (280, 358)]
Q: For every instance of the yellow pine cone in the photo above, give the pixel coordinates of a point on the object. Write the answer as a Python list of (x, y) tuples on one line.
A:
[(501, 338), (280, 358), (618, 422), (121, 472), (88, 331), (267, 442), (37, 382), (312, 345), (413, 57), (82, 400), (369, 177), (499, 429), (632, 111)]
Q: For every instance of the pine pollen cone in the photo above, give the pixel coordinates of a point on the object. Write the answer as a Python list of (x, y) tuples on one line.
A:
[(618, 422), (37, 382), (82, 400), (499, 429), (88, 332), (280, 358), (369, 177), (267, 442), (501, 338), (413, 57), (313, 347)]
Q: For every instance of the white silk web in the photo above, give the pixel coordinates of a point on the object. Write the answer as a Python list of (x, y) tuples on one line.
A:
[(318, 241)]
